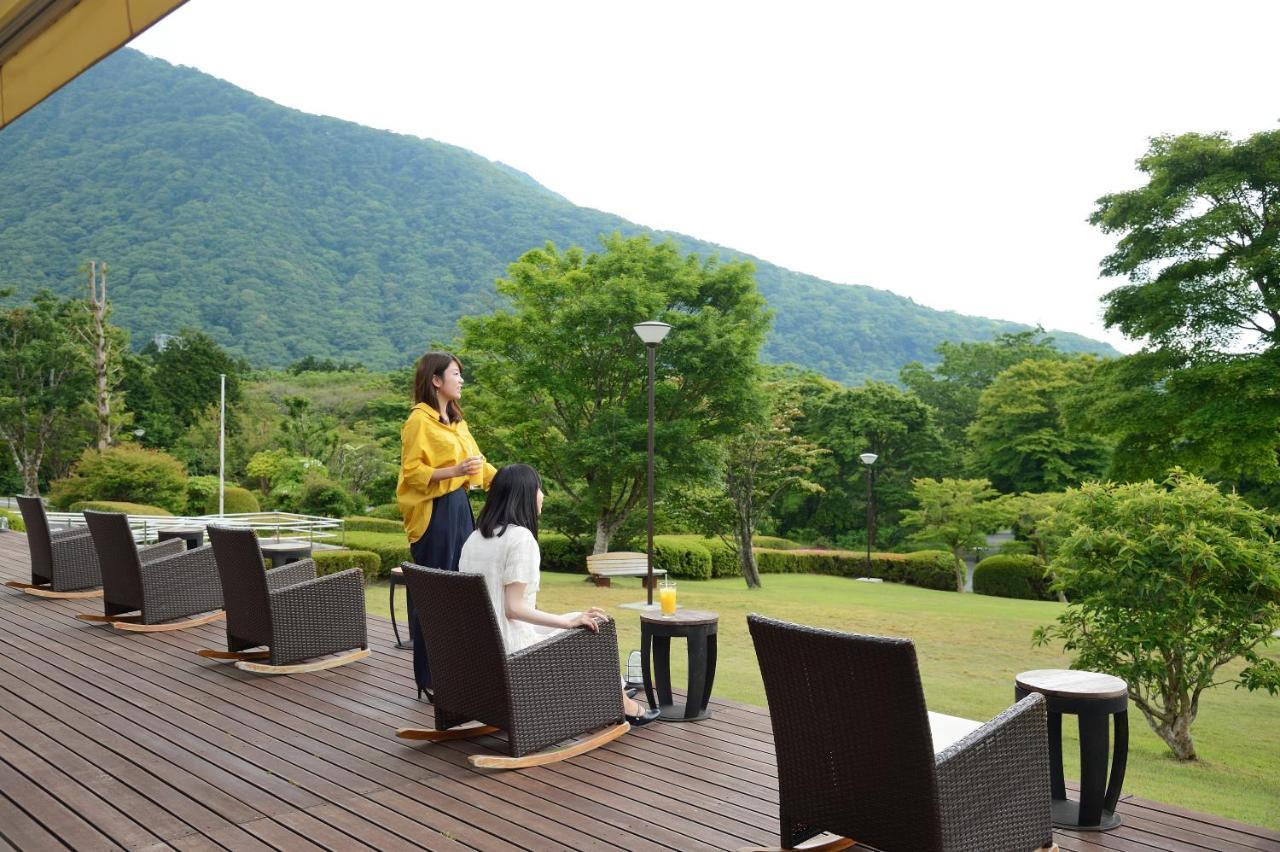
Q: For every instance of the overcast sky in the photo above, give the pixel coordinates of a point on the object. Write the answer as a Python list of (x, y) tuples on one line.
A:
[(950, 152)]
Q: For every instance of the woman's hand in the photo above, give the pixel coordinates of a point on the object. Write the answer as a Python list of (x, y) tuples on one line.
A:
[(470, 466), (591, 619)]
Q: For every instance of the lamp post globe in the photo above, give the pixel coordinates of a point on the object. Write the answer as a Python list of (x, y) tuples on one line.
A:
[(651, 333)]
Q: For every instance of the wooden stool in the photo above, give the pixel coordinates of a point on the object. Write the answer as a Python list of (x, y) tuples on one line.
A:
[(699, 630), (285, 551), (193, 536), (1092, 697)]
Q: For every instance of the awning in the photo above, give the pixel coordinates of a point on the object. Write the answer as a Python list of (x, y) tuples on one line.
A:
[(45, 43)]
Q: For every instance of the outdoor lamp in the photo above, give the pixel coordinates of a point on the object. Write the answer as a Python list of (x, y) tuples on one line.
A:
[(869, 459), (651, 333)]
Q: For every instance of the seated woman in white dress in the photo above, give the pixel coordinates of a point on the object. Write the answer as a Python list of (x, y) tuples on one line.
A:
[(504, 550)]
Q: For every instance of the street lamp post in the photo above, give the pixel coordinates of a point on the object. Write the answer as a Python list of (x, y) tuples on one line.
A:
[(651, 333), (869, 459)]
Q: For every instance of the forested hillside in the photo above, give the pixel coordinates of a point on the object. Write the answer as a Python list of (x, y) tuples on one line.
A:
[(283, 234)]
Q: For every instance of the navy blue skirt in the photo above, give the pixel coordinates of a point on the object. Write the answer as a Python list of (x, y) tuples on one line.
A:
[(440, 547)]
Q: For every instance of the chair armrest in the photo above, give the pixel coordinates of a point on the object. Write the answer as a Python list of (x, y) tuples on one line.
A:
[(67, 534), (180, 584), (565, 685), (161, 549), (318, 616), (291, 574), (993, 785)]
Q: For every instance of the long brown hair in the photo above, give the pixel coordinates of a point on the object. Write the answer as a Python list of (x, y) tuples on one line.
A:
[(434, 364)]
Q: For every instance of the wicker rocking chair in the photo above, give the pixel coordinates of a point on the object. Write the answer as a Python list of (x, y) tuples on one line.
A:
[(162, 582), (295, 614), (560, 688), (63, 562), (856, 758)]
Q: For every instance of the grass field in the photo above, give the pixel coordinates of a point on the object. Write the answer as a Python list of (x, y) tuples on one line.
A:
[(970, 647)]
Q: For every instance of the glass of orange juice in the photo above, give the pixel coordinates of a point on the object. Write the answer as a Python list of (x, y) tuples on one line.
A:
[(667, 598), (477, 478)]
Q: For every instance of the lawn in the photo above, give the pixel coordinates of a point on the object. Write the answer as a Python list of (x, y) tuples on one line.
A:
[(970, 647)]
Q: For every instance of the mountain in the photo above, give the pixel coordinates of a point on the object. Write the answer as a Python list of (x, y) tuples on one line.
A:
[(284, 234)]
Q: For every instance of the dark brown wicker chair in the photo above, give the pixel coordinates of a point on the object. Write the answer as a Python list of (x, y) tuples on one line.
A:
[(562, 687), (162, 582), (63, 562), (856, 758), (295, 614)]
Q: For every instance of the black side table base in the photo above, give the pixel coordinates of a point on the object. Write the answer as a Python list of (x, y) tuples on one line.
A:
[(676, 713), (1066, 814)]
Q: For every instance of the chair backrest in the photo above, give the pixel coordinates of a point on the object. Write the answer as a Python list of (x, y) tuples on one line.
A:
[(37, 524), (118, 557), (851, 732), (468, 657), (244, 579)]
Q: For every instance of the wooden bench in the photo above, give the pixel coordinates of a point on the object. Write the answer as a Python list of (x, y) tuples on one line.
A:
[(604, 566)]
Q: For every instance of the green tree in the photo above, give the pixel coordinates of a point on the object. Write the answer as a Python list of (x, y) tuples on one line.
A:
[(124, 472), (957, 513), (1200, 243), (559, 379), (46, 380), (1037, 520), (952, 388), (187, 374), (1019, 438), (1172, 581), (876, 418), (308, 432)]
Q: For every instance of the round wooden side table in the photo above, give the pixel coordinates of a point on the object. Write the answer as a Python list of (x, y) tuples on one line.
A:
[(1092, 697), (193, 536), (285, 551), (699, 630)]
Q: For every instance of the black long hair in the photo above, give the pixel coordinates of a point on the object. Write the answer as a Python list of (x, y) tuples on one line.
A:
[(512, 499)]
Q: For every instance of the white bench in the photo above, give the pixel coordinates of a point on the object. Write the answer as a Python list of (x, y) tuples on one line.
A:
[(603, 566)]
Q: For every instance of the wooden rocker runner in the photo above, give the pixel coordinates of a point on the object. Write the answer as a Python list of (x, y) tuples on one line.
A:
[(306, 623), (166, 585), (64, 564), (560, 689)]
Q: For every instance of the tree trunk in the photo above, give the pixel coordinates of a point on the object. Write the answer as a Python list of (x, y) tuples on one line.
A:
[(606, 526), (31, 477), (747, 557), (98, 305), (1177, 735), (959, 571)]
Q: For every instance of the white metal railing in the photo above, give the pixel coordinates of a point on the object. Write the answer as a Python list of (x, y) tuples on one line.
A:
[(277, 525)]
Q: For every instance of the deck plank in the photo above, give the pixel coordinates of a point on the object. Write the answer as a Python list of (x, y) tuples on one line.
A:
[(110, 739)]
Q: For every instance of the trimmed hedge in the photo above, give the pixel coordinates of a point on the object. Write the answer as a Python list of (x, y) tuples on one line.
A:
[(772, 542), (390, 549), (333, 561), (365, 523), (120, 506), (387, 511), (929, 569), (15, 521), (682, 559), (237, 501), (724, 562), (1008, 575), (561, 554)]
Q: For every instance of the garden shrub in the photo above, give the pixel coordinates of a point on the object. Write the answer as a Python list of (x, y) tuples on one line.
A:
[(1007, 575), (724, 560), (15, 521), (333, 561), (682, 559), (388, 511), (773, 542), (119, 506), (126, 473), (930, 569), (561, 553), (364, 523), (390, 549), (238, 501), (323, 496)]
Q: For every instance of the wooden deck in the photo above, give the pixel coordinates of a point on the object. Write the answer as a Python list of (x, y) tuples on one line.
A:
[(111, 740)]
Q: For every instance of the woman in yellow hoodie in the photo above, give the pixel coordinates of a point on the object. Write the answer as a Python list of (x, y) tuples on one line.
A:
[(438, 460)]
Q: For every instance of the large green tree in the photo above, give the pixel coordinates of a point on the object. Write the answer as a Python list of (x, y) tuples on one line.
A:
[(953, 386), (1019, 438), (875, 418), (46, 381), (558, 380), (957, 513)]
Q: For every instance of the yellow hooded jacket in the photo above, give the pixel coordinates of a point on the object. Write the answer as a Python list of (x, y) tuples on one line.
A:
[(427, 445)]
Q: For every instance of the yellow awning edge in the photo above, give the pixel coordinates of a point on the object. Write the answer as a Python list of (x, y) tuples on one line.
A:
[(44, 44)]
